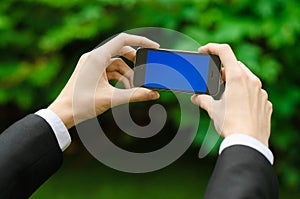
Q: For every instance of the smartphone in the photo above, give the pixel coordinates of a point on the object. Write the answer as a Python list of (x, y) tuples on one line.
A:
[(164, 69)]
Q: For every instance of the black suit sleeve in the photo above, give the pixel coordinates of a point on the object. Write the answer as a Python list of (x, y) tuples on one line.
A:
[(29, 155), (242, 173)]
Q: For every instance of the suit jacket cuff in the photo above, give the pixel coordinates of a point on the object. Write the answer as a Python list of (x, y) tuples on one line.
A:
[(60, 131), (241, 139)]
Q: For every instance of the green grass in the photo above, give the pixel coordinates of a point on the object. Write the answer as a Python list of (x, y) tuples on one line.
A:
[(81, 176)]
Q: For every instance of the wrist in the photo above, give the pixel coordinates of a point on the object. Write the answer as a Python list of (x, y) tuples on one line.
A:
[(63, 109)]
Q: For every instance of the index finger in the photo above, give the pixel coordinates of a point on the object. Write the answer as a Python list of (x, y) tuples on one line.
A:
[(227, 57), (123, 39), (128, 52)]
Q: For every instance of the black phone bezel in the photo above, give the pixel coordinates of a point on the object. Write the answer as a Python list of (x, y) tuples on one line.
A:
[(213, 79)]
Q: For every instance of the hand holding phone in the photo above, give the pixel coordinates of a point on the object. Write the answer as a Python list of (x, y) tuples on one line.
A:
[(244, 107), (191, 72)]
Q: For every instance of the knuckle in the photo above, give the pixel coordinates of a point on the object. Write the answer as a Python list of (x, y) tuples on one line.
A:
[(84, 57), (126, 50), (264, 94), (209, 45), (256, 82), (114, 76), (118, 62), (225, 47), (259, 83), (238, 76), (212, 45), (270, 106), (123, 35)]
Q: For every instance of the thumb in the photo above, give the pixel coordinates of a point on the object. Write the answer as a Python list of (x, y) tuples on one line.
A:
[(122, 96), (204, 101)]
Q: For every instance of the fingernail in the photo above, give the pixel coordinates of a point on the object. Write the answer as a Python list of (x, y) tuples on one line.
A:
[(154, 95), (157, 44), (193, 99)]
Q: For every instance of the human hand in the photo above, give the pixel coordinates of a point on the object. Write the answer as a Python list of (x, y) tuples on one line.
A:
[(244, 107), (94, 95)]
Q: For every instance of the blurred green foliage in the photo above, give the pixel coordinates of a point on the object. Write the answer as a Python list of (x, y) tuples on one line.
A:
[(41, 41)]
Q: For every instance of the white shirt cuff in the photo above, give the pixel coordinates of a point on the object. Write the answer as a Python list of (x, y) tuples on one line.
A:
[(241, 139), (61, 132)]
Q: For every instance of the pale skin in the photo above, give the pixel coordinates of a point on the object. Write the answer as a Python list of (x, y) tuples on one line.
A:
[(98, 67), (244, 107)]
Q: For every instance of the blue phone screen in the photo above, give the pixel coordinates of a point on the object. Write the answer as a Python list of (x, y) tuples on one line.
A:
[(177, 71)]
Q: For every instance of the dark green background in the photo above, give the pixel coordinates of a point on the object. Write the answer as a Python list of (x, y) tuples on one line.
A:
[(41, 41)]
